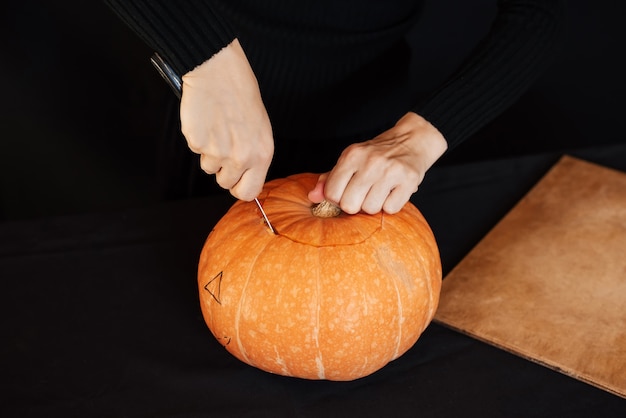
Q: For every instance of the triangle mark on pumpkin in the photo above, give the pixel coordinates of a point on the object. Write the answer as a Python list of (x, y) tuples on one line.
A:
[(214, 286)]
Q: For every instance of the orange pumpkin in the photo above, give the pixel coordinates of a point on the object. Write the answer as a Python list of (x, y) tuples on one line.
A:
[(332, 298)]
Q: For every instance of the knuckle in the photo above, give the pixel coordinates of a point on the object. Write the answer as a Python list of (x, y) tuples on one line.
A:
[(209, 165), (371, 209), (188, 130), (194, 144), (391, 207), (396, 201), (349, 208), (352, 153), (227, 183), (246, 196), (205, 166), (332, 197), (236, 163), (243, 193), (378, 158)]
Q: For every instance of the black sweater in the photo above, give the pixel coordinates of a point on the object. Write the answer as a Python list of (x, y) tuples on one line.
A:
[(339, 68)]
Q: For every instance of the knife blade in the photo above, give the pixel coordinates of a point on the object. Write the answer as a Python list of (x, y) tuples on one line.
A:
[(267, 221)]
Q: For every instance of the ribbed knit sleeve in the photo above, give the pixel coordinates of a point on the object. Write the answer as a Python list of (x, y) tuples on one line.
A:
[(185, 32), (498, 71)]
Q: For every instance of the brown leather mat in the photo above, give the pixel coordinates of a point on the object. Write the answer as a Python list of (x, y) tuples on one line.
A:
[(548, 282)]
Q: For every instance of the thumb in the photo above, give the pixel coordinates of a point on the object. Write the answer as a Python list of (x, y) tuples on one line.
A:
[(317, 194)]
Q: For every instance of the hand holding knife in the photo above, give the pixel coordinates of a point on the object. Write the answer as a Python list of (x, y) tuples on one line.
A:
[(175, 82)]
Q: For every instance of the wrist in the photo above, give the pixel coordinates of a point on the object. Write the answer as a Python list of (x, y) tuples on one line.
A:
[(429, 142), (228, 64)]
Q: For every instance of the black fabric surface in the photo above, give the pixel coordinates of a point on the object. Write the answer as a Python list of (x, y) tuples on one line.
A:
[(100, 318)]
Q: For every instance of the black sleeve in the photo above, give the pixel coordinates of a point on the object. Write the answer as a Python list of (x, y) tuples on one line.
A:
[(502, 67), (184, 32)]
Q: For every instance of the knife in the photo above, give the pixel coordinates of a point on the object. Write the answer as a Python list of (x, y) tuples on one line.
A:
[(175, 82), (267, 221), (168, 74)]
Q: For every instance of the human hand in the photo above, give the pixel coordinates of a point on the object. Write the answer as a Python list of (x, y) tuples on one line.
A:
[(382, 173), (224, 120)]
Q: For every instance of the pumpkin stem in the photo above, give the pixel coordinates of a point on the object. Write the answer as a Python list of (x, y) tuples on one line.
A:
[(325, 209)]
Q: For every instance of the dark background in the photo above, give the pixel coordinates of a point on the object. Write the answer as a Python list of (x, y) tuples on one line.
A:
[(83, 120), (83, 112)]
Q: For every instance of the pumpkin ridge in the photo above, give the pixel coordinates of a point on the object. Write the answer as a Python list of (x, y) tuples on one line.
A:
[(220, 229), (240, 344), (420, 250), (427, 267), (319, 360), (423, 243), (392, 279), (424, 251), (432, 304)]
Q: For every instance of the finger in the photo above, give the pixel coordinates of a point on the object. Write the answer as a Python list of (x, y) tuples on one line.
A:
[(352, 199), (336, 184), (376, 197), (249, 185), (210, 165), (357, 190), (317, 194), (229, 175), (397, 198), (347, 165), (390, 192)]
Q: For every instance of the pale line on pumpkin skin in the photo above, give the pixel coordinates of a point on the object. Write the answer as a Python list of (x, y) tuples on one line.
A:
[(400, 313), (431, 292), (426, 266), (387, 275), (426, 278), (321, 373), (279, 360), (398, 297), (239, 306)]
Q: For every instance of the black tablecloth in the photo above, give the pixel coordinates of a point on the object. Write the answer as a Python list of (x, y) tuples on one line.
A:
[(100, 318)]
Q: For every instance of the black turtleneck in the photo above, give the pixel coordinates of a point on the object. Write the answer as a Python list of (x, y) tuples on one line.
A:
[(339, 68)]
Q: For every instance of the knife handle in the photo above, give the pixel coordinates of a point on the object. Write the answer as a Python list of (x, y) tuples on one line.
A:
[(168, 74)]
